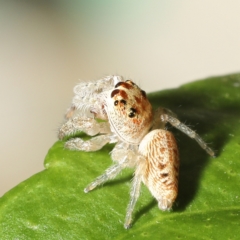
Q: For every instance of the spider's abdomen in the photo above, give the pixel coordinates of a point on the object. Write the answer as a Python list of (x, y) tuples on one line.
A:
[(162, 166)]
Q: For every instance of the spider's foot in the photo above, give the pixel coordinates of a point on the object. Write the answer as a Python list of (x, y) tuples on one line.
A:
[(127, 225), (210, 151), (89, 188)]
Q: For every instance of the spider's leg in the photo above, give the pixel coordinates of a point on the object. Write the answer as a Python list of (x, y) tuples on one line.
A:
[(90, 145), (135, 189), (135, 192), (188, 131), (88, 125), (89, 96), (110, 173)]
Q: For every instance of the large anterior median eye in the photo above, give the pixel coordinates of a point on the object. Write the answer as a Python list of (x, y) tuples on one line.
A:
[(124, 102), (132, 112)]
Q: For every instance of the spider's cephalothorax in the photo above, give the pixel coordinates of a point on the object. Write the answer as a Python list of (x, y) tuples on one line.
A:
[(129, 112), (141, 140)]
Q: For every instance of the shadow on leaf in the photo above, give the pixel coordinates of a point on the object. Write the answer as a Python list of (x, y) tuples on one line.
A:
[(209, 118)]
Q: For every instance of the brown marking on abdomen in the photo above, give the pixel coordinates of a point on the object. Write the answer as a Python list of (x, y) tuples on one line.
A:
[(161, 176), (164, 175), (161, 166)]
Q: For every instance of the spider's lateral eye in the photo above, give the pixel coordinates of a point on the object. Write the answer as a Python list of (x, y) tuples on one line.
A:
[(132, 112), (116, 103), (123, 101)]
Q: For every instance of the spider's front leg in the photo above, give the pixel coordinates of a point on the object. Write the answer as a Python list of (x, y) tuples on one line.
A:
[(91, 127), (90, 95), (110, 173), (91, 145), (123, 157), (167, 116), (88, 125)]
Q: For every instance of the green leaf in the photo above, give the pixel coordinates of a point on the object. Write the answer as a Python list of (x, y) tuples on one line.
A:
[(52, 204)]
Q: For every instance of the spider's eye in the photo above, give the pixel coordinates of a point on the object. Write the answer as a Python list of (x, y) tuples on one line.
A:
[(116, 103), (123, 101), (132, 112)]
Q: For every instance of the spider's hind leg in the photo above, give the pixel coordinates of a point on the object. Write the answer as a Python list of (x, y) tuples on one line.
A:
[(168, 116)]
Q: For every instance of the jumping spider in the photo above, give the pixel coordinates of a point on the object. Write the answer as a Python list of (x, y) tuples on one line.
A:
[(139, 133)]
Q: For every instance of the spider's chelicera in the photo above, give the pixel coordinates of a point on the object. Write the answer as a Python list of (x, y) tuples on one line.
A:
[(141, 140)]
